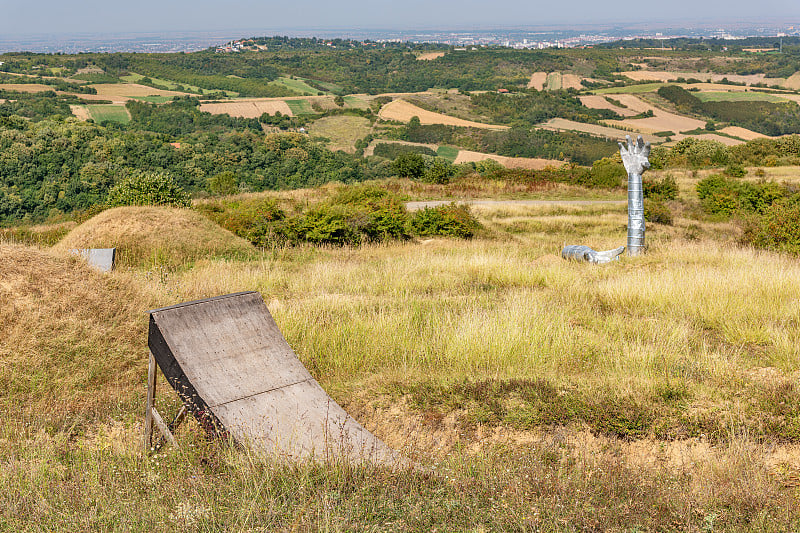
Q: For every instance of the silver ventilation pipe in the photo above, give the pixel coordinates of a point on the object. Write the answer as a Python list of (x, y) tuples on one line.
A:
[(635, 158)]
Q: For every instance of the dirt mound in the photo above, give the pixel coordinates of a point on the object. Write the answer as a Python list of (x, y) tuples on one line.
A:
[(74, 340), (155, 235)]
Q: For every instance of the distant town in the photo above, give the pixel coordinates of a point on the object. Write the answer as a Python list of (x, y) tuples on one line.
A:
[(525, 38)]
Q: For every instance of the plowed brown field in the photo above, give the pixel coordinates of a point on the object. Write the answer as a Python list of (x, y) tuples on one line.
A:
[(403, 111)]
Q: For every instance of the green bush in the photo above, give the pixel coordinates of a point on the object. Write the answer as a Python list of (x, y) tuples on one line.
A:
[(724, 196), (410, 165), (608, 172), (451, 220), (395, 150), (223, 183), (775, 229), (147, 188), (655, 211), (260, 221), (439, 171), (664, 189)]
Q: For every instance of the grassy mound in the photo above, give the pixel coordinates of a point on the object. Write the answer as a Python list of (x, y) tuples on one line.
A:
[(155, 235), (73, 339)]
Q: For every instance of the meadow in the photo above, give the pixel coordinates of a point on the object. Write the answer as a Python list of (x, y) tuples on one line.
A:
[(113, 113), (655, 393)]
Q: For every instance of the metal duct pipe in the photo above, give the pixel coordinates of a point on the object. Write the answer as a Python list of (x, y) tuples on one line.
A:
[(635, 158)]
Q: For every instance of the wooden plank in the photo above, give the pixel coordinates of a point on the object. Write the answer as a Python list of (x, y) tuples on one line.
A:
[(151, 395), (240, 373)]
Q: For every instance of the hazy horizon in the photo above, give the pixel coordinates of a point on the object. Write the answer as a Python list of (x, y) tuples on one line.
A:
[(148, 16)]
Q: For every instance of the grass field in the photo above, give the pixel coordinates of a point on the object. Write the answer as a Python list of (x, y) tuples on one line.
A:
[(656, 393), (154, 99), (448, 152), (133, 78), (297, 85), (113, 113), (738, 96), (630, 89), (300, 107), (342, 130), (553, 81), (357, 102)]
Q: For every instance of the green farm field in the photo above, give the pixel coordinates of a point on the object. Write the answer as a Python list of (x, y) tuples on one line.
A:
[(739, 96), (342, 130), (297, 85), (113, 113), (300, 107)]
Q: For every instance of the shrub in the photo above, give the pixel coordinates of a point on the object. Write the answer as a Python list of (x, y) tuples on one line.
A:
[(655, 211), (325, 224), (257, 220), (223, 183), (450, 220), (410, 165), (776, 229), (147, 188), (394, 150), (439, 171), (664, 189), (724, 196), (607, 172), (735, 171)]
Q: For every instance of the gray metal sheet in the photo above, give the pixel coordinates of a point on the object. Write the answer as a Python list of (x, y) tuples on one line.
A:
[(100, 258)]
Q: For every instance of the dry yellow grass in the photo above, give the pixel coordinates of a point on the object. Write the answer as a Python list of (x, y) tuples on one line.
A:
[(26, 87), (429, 56), (248, 108), (661, 121), (596, 101), (342, 130), (742, 133), (81, 112), (55, 310), (652, 75), (571, 81), (403, 111), (155, 235), (122, 92), (530, 163), (594, 129), (538, 81), (792, 82)]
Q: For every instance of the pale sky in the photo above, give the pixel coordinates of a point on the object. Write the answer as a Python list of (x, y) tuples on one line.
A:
[(103, 16)]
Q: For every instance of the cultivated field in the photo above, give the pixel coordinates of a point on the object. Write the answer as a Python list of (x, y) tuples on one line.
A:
[(743, 133), (297, 85), (538, 80), (80, 111), (403, 111), (596, 101), (343, 131), (113, 113), (119, 93), (651, 75), (738, 96), (26, 87), (596, 130), (661, 121), (430, 56), (530, 163), (248, 108)]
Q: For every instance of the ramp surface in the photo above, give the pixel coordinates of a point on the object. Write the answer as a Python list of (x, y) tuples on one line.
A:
[(229, 362)]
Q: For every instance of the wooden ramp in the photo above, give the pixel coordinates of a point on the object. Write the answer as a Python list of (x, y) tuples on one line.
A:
[(235, 372)]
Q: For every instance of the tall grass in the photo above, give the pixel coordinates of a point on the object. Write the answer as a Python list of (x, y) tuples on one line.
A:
[(655, 393)]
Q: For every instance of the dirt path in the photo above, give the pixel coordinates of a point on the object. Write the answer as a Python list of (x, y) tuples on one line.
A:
[(415, 206)]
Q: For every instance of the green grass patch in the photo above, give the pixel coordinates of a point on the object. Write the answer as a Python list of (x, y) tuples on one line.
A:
[(153, 99), (739, 97), (630, 89), (448, 152), (298, 85), (356, 102), (300, 107), (554, 81), (111, 113), (173, 86), (342, 130)]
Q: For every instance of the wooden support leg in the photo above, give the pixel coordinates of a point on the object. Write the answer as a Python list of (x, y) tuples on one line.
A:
[(149, 407)]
